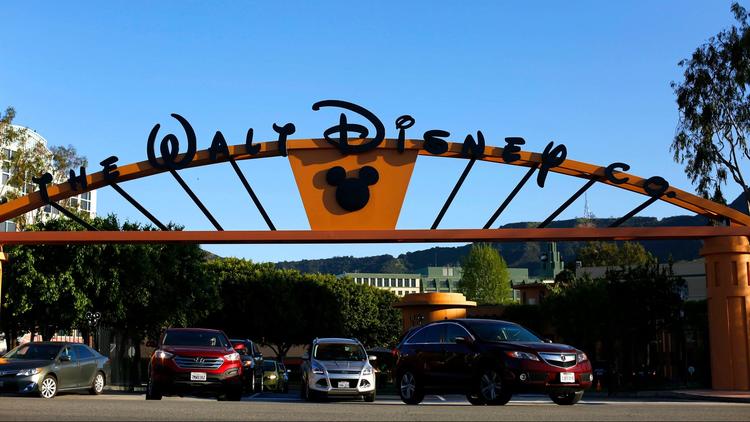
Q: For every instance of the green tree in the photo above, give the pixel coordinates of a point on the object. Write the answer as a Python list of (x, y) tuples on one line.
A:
[(485, 275), (610, 254), (714, 109)]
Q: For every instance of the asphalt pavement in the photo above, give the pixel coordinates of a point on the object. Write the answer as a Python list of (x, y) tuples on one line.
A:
[(267, 406)]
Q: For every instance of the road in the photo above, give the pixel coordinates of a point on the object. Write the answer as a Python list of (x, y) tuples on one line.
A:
[(287, 407)]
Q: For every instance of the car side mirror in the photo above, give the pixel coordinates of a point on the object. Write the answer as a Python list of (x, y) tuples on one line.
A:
[(464, 340), (64, 358), (372, 358), (150, 343)]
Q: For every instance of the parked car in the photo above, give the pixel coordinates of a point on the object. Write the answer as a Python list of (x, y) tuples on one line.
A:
[(194, 361), (489, 361), (275, 376), (337, 367), (45, 368), (252, 364)]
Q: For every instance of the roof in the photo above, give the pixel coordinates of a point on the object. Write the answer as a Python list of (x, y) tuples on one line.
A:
[(336, 340), (207, 330), (55, 343)]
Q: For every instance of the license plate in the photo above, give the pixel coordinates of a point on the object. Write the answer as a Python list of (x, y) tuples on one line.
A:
[(343, 384), (567, 377), (197, 376)]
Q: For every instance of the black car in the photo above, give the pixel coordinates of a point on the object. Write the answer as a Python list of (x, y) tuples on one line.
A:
[(489, 361), (252, 364), (44, 368)]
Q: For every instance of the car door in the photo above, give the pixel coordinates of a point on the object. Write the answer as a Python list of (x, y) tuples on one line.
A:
[(426, 345), (456, 356), (67, 371), (87, 365)]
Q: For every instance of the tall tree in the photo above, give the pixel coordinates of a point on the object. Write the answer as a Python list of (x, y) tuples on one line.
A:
[(485, 275), (714, 109), (610, 254)]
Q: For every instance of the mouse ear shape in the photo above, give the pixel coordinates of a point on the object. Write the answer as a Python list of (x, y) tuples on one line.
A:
[(335, 176), (369, 175)]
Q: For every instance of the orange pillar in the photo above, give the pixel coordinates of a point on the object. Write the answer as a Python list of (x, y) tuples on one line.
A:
[(728, 292), (421, 308), (3, 258)]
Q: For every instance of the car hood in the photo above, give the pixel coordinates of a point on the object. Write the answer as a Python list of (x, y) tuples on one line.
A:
[(18, 364), (536, 347), (342, 364), (214, 352)]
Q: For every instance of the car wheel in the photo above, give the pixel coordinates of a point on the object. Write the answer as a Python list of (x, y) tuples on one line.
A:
[(152, 392), (492, 390), (369, 398), (235, 394), (410, 389), (567, 399), (97, 386), (48, 387), (475, 399)]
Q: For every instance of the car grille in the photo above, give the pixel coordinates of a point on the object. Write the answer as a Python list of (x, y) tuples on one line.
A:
[(198, 362), (561, 360), (343, 371)]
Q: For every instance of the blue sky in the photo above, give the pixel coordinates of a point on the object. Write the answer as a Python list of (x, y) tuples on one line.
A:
[(592, 75)]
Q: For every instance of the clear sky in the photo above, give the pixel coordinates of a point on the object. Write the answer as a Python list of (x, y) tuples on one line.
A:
[(592, 75)]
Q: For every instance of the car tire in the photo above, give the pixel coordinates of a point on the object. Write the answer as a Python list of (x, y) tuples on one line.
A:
[(491, 388), (152, 392), (285, 390), (567, 399), (234, 394), (97, 385), (474, 399), (369, 398), (48, 387), (410, 389)]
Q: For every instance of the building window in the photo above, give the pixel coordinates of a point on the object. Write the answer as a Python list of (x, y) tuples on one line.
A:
[(85, 200), (8, 226)]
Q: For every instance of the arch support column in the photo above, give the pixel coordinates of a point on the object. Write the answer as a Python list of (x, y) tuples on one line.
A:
[(728, 292)]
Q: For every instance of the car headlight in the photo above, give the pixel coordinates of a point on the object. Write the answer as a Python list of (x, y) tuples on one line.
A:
[(367, 370), (581, 357), (162, 354), (317, 369), (232, 357), (523, 355), (28, 372), (272, 377)]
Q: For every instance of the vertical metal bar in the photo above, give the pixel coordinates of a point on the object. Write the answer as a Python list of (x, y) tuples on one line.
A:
[(250, 191), (635, 211), (448, 201), (196, 200), (138, 206), (72, 216), (511, 196), (567, 203)]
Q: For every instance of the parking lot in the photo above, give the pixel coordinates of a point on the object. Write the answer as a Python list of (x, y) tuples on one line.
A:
[(267, 406)]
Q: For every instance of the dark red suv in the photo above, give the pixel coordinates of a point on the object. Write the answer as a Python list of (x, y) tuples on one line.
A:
[(194, 361), (489, 361)]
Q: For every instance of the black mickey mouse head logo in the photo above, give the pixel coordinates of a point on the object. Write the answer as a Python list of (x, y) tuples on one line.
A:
[(352, 193)]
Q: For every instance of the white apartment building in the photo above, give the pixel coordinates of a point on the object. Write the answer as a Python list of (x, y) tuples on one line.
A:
[(400, 284), (85, 202)]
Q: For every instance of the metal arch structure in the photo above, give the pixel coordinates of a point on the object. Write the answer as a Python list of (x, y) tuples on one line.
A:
[(738, 223)]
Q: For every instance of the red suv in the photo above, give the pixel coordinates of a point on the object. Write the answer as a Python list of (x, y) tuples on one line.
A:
[(194, 360), (489, 361)]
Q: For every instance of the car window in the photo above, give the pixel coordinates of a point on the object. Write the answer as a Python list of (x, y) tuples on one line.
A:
[(68, 351), (195, 338), (83, 352), (430, 334), (34, 351), (339, 351), (497, 331), (454, 330), (269, 365), (255, 350)]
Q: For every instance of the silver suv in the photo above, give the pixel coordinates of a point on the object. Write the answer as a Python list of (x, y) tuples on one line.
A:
[(337, 367)]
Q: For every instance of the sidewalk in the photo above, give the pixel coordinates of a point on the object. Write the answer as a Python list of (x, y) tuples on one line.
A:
[(730, 396)]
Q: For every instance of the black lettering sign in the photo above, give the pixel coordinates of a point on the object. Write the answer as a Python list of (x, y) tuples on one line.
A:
[(110, 171), (43, 181), (402, 123), (218, 146), (657, 186), (609, 172), (551, 157), (249, 147), (472, 148), (283, 132), (352, 193), (343, 128), (512, 148), (170, 147), (77, 180), (433, 142)]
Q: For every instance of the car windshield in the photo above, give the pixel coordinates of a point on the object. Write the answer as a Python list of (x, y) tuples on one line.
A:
[(269, 365), (502, 331), (34, 351), (339, 351), (195, 338)]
